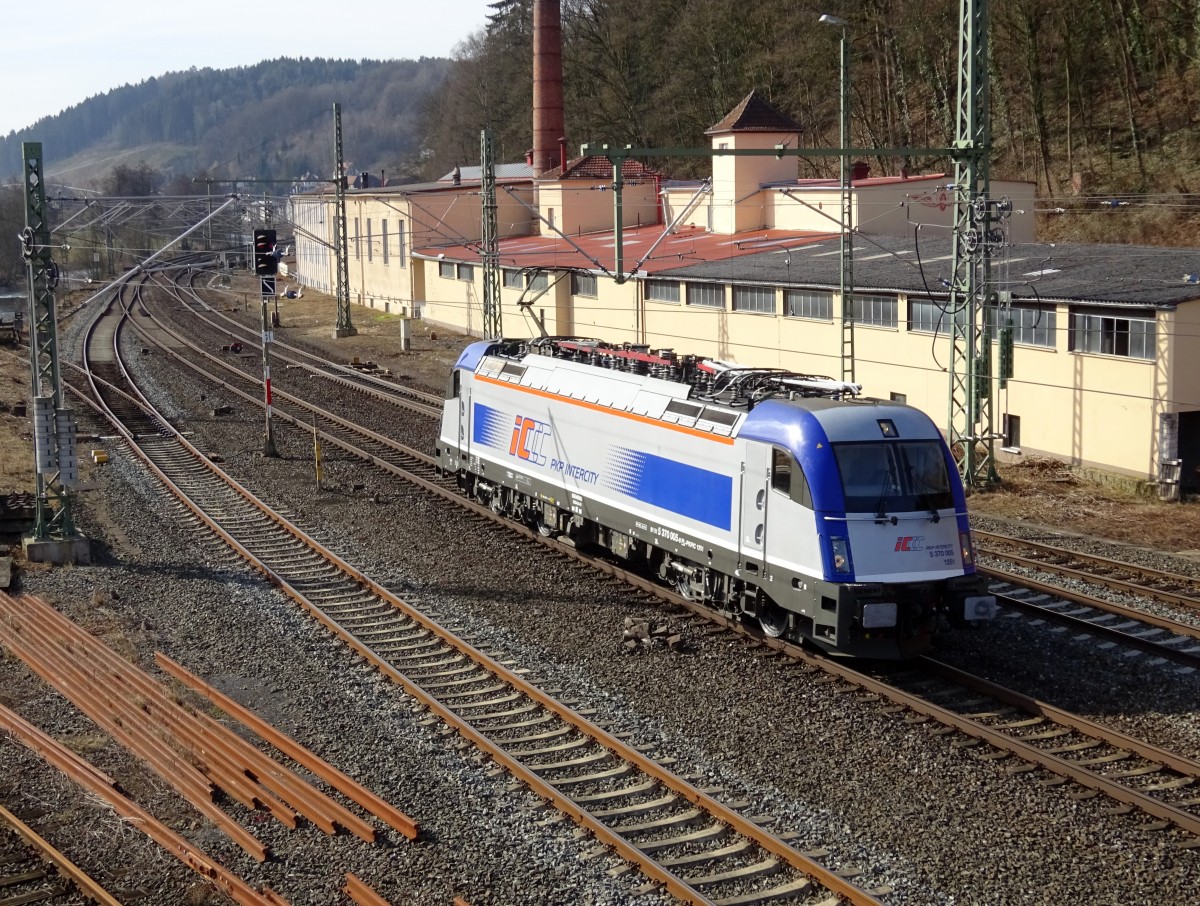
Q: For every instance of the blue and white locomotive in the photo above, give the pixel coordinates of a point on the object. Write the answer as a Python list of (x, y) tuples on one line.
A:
[(766, 494)]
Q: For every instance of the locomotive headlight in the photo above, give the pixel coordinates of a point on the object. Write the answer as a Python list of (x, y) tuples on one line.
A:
[(841, 554), (968, 551)]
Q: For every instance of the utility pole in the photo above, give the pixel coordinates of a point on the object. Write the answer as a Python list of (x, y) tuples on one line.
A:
[(847, 186), (977, 218), (491, 240), (54, 538), (341, 244)]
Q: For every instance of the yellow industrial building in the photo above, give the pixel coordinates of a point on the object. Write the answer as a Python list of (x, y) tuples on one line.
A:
[(746, 266)]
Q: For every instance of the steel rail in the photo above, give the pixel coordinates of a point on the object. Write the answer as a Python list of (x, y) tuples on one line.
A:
[(321, 768), (656, 872), (62, 674), (1095, 603), (1175, 816), (357, 890), (365, 377), (351, 378), (1186, 766), (84, 774), (1149, 573), (85, 883), (279, 394), (1188, 657), (1026, 751)]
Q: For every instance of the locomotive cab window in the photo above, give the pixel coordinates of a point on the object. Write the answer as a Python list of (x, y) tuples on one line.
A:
[(787, 477), (890, 477)]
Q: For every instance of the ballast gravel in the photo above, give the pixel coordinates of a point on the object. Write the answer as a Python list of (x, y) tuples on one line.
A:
[(904, 806)]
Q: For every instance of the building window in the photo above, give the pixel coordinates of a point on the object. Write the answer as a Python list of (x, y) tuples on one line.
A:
[(370, 250), (401, 243), (512, 278), (759, 299), (357, 240), (538, 282), (466, 272), (926, 316), (706, 295), (1032, 325), (583, 284), (383, 239), (1107, 335), (1012, 431), (878, 311), (447, 269), (808, 303), (661, 290), (901, 398)]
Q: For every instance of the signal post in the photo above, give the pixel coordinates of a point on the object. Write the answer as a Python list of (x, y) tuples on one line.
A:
[(266, 265)]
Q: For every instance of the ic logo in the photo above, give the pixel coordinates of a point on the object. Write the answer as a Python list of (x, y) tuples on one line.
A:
[(906, 543), (527, 438)]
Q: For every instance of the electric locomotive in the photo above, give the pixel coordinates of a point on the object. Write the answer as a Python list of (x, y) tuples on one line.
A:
[(768, 495)]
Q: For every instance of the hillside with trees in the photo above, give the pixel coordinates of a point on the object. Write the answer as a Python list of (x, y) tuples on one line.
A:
[(1093, 100), (270, 120)]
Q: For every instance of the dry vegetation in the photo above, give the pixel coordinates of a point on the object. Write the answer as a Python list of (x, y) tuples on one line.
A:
[(16, 432), (1046, 492)]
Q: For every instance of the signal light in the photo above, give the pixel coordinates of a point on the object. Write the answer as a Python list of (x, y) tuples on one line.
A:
[(265, 260)]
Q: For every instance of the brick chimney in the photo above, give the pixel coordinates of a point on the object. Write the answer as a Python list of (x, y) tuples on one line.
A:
[(547, 84)]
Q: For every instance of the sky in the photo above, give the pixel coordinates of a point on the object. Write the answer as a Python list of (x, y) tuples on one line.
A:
[(53, 57)]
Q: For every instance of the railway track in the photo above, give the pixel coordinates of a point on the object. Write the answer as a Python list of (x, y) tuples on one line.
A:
[(1112, 624), (377, 387), (1085, 615), (32, 870), (1158, 585), (681, 837), (1011, 729)]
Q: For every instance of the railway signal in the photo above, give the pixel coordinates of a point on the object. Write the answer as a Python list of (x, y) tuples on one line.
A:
[(266, 265), (266, 262)]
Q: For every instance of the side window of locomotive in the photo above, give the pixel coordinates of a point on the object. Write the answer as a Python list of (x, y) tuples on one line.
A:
[(788, 478), (454, 384)]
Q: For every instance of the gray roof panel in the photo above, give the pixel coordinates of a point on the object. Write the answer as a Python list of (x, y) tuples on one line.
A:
[(1126, 275)]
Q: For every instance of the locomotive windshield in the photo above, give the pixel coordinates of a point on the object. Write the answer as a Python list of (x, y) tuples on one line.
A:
[(895, 476)]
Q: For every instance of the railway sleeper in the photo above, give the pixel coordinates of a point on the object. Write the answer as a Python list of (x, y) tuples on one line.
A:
[(644, 786), (715, 831), (634, 809), (742, 873)]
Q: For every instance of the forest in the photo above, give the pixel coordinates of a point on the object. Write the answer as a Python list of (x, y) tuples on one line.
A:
[(1093, 100), (270, 120)]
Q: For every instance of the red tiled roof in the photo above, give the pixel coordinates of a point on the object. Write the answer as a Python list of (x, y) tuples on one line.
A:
[(689, 245), (596, 167)]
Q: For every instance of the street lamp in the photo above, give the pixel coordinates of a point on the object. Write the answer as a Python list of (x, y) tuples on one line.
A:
[(847, 277)]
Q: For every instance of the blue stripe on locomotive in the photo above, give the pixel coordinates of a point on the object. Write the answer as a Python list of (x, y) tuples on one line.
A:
[(687, 490), (490, 426)]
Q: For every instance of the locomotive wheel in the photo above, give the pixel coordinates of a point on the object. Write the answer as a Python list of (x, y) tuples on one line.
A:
[(771, 617)]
